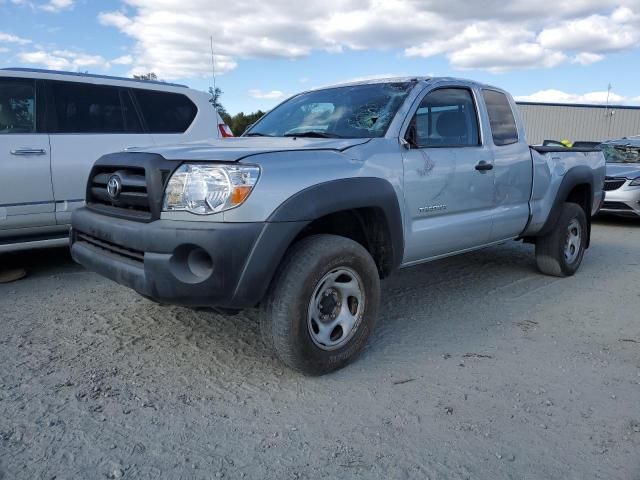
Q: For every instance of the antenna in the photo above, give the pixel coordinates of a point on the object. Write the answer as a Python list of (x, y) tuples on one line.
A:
[(609, 114), (213, 73)]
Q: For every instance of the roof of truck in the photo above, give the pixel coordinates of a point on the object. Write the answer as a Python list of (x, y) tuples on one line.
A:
[(370, 81)]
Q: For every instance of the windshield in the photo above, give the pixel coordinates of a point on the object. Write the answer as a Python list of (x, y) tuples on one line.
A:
[(621, 153), (360, 111)]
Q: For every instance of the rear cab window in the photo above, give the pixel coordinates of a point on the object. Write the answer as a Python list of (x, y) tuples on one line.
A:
[(165, 112), (503, 124)]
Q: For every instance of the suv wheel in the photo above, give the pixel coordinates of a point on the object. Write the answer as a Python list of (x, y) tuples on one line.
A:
[(322, 305), (560, 252)]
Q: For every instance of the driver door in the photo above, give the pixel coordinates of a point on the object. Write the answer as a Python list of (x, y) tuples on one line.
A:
[(448, 177)]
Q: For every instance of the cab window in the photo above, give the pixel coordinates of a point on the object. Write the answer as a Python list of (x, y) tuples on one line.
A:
[(503, 124), (446, 117)]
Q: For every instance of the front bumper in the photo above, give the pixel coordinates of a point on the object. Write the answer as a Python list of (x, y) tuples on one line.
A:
[(179, 262), (622, 201)]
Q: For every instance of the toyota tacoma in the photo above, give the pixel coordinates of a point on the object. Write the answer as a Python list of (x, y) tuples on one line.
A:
[(327, 194)]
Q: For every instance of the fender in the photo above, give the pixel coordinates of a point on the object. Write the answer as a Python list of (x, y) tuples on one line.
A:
[(346, 194), (578, 175), (295, 213)]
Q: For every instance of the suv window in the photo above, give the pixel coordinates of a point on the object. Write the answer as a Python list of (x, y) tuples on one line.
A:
[(503, 125), (86, 108), (165, 112), (446, 117), (17, 105)]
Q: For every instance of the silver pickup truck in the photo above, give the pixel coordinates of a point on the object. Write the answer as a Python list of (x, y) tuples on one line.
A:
[(331, 191)]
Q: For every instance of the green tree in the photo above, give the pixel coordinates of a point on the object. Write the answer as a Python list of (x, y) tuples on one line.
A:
[(240, 122), (215, 101), (147, 76)]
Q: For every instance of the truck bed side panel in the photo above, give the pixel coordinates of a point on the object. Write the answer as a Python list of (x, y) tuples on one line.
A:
[(551, 167)]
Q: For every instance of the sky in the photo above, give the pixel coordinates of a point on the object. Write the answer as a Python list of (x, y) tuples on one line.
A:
[(543, 50)]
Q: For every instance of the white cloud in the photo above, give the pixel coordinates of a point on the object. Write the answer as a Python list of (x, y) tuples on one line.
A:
[(587, 58), (57, 5), (172, 36), (595, 33), (558, 96), (123, 60), (64, 60), (270, 95), (9, 38)]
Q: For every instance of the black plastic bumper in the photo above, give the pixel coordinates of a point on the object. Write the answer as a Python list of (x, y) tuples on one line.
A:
[(227, 265)]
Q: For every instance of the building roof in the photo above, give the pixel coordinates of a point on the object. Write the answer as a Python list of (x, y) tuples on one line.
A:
[(580, 105)]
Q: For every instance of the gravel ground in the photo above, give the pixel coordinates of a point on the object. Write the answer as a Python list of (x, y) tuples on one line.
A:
[(481, 368)]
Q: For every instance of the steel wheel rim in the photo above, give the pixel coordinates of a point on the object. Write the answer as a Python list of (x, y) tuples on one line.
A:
[(336, 308), (574, 241)]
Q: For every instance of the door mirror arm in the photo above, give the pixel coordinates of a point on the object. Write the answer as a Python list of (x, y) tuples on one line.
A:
[(409, 140)]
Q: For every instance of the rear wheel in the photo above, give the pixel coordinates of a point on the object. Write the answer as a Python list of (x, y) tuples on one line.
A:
[(560, 252), (322, 305)]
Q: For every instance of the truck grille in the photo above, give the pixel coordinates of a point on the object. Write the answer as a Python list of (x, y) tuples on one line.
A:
[(132, 196), (142, 178), (611, 183)]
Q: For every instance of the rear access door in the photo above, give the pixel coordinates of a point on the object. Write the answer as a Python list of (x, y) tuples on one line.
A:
[(513, 167)]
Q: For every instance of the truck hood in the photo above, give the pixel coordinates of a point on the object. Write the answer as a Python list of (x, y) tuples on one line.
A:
[(234, 149), (627, 170)]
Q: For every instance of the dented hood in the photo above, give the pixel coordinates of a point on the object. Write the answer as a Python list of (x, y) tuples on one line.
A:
[(234, 149)]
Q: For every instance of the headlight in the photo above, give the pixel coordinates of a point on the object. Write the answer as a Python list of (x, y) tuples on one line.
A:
[(205, 189), (635, 182)]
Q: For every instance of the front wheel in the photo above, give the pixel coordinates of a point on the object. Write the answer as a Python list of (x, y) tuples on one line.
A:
[(322, 305), (560, 252)]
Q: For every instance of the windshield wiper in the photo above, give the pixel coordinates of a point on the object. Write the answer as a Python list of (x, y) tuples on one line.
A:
[(313, 134), (257, 134)]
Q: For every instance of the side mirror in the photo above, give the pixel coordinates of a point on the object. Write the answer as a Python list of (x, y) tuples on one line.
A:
[(411, 137)]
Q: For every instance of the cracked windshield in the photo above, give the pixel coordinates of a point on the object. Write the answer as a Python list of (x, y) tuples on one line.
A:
[(621, 153), (359, 111)]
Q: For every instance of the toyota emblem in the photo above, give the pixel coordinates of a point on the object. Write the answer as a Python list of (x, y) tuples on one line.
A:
[(114, 187)]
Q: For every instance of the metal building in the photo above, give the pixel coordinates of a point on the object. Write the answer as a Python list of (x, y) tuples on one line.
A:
[(557, 121)]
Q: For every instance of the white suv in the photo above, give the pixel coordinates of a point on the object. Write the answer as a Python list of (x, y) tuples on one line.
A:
[(55, 125)]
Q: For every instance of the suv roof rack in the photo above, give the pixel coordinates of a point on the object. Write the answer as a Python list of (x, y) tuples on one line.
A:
[(91, 75)]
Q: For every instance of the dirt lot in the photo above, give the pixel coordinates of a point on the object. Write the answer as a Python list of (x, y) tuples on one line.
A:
[(481, 368)]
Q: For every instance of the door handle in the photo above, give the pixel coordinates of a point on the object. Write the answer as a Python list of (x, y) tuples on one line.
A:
[(28, 151), (483, 166)]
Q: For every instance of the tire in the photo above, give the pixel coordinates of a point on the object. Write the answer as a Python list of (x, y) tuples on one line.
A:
[(342, 279), (560, 252)]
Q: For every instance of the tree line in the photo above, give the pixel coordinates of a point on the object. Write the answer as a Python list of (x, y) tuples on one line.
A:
[(239, 122)]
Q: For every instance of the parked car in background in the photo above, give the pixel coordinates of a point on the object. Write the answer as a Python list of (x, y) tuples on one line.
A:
[(54, 125), (327, 193), (622, 184)]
